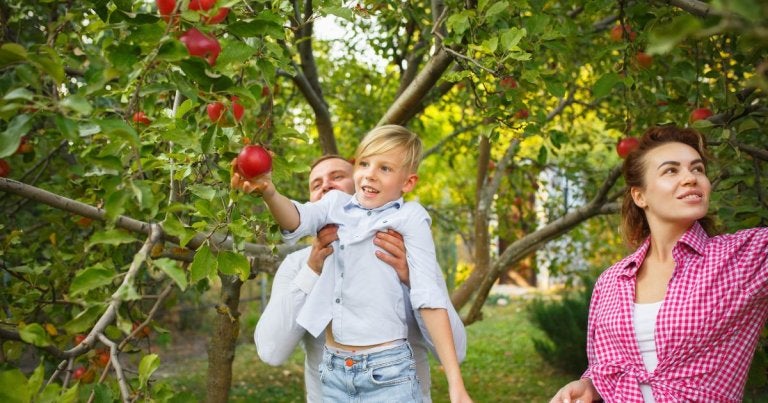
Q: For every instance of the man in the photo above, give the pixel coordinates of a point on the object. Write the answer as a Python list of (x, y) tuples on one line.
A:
[(277, 332)]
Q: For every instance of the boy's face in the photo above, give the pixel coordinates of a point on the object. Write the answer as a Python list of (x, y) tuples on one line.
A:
[(382, 178)]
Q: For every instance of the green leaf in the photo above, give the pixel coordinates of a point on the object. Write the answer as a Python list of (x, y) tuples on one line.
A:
[(49, 62), (605, 84), (172, 269), (70, 395), (511, 38), (556, 88), (148, 365), (13, 387), (120, 130), (203, 191), (85, 319), (235, 53), (78, 104), (111, 237), (203, 265), (458, 23), (90, 278), (173, 226), (496, 8), (34, 334), (19, 93), (666, 37), (115, 205), (234, 263), (12, 53), (11, 137), (36, 379)]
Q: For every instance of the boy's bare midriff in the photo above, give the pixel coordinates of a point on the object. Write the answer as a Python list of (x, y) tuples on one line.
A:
[(331, 342)]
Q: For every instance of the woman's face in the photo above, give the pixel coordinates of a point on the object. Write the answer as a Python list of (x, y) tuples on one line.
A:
[(676, 188)]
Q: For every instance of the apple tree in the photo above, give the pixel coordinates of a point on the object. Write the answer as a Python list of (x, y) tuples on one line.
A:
[(119, 120)]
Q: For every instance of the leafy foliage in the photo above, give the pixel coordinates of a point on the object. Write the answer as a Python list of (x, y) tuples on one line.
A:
[(564, 323)]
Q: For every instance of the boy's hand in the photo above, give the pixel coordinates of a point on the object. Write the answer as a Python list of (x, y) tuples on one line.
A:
[(261, 185)]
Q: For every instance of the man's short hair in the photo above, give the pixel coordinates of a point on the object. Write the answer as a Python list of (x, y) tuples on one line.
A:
[(327, 157)]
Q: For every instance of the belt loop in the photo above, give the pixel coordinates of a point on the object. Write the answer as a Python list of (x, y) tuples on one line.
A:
[(365, 362)]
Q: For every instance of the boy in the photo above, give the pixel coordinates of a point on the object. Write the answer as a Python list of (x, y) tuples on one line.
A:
[(357, 300)]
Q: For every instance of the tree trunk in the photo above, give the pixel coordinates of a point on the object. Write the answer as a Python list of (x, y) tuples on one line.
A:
[(221, 349)]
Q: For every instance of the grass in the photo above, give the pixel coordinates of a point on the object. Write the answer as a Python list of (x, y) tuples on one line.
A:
[(501, 365)]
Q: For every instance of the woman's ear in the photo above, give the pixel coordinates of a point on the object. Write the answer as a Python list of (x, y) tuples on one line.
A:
[(638, 197)]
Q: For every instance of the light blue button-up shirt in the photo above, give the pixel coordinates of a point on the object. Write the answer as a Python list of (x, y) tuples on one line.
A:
[(359, 292)]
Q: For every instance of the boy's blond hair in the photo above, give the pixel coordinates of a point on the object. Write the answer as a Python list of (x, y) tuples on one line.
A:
[(385, 138)]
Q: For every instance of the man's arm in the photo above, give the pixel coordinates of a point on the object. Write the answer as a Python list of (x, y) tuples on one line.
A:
[(277, 334)]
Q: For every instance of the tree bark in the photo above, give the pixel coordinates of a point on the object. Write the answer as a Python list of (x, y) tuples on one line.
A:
[(221, 348)]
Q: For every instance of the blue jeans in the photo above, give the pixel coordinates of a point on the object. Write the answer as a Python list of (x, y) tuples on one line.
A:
[(383, 376)]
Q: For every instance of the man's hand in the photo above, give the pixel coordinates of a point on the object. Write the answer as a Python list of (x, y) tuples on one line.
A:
[(321, 247), (261, 185), (393, 253)]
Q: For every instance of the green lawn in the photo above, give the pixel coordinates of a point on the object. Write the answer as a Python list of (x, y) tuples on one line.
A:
[(501, 366)]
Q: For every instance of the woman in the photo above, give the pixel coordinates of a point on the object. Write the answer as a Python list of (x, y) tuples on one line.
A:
[(679, 319)]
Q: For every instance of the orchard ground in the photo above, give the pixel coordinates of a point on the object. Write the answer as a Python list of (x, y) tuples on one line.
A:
[(501, 363)]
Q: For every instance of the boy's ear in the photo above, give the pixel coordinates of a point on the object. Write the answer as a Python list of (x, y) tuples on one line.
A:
[(410, 183)]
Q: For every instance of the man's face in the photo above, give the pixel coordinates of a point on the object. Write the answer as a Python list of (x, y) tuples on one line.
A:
[(333, 173)]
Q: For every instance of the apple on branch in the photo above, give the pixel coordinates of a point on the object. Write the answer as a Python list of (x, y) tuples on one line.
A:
[(700, 114), (626, 146), (201, 45)]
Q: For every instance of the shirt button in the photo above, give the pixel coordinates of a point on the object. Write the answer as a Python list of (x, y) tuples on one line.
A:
[(342, 247), (338, 300), (369, 213)]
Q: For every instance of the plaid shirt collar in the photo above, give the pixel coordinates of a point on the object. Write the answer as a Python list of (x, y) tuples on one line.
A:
[(695, 240)]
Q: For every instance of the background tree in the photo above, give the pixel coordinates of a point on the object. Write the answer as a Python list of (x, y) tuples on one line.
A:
[(119, 120)]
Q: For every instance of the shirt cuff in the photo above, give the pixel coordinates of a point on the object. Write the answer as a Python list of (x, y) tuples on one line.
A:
[(306, 278)]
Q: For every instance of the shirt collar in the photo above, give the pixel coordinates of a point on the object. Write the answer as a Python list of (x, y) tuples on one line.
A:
[(694, 238), (353, 203)]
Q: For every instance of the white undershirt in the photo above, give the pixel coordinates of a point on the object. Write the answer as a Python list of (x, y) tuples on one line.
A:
[(644, 322)]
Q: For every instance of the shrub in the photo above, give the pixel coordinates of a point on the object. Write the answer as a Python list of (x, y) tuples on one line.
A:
[(564, 322)]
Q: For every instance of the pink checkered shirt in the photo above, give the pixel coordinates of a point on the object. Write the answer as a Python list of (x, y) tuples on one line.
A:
[(706, 330)]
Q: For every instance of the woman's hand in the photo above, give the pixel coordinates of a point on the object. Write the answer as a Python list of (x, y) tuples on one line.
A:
[(581, 391)]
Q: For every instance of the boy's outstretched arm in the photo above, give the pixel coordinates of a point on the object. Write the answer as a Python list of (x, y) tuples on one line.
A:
[(281, 207), (439, 328)]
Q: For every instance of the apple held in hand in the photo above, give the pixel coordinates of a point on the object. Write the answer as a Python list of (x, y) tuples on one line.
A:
[(700, 114), (201, 45), (253, 160), (626, 146)]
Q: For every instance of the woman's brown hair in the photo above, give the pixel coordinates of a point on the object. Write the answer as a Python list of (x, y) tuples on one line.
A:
[(634, 225)]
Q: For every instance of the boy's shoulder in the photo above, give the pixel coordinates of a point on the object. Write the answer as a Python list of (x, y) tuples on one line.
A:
[(413, 207)]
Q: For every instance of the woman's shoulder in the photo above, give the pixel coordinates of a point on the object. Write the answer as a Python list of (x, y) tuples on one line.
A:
[(756, 234)]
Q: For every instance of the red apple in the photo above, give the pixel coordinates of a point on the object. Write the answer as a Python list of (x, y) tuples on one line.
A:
[(699, 114), (522, 114), (237, 109), (102, 358), (508, 83), (24, 146), (220, 16), (644, 60), (143, 333), (216, 111), (201, 5), (84, 375), (141, 118), (253, 160), (79, 339), (166, 7), (201, 45), (618, 36), (626, 146), (5, 169)]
